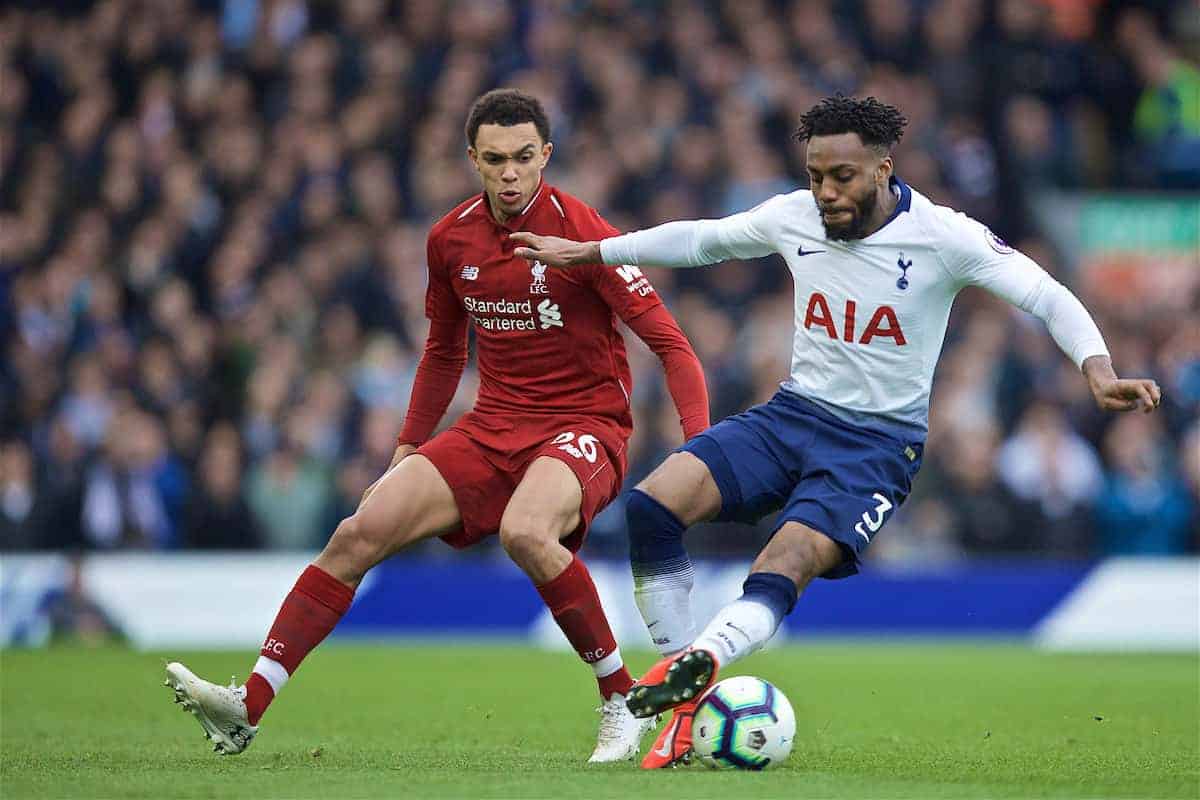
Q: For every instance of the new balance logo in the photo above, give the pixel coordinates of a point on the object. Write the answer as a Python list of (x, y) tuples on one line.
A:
[(469, 273), (549, 315)]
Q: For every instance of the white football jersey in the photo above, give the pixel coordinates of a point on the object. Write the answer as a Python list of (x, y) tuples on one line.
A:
[(871, 313)]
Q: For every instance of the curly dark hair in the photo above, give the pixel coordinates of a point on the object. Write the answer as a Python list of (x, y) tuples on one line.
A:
[(877, 124), (507, 107)]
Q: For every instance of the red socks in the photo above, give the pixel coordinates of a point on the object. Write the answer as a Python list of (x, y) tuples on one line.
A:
[(310, 611), (575, 605), (259, 695), (318, 600)]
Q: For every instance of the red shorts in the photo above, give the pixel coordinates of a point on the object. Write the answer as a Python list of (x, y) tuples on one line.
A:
[(484, 457)]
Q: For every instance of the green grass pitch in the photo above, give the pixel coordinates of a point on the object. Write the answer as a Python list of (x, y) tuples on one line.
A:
[(873, 721)]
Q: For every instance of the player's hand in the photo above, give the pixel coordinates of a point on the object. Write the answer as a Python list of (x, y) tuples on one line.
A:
[(402, 452), (555, 251), (1119, 394)]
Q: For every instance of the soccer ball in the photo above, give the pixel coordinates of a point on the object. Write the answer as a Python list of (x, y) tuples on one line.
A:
[(743, 722)]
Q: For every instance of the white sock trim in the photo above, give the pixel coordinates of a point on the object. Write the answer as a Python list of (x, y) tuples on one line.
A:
[(609, 664), (272, 672)]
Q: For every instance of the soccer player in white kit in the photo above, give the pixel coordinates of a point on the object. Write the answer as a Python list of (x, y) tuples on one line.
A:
[(876, 267)]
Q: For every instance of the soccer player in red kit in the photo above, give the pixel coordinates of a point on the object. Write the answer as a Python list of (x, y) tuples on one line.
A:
[(542, 451)]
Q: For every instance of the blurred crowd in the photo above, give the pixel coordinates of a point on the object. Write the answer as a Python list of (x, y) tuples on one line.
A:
[(213, 215)]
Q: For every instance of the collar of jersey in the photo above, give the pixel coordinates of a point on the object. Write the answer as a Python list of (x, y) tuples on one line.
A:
[(514, 222), (902, 205)]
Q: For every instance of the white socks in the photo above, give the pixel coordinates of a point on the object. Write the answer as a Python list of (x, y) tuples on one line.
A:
[(664, 599), (738, 629)]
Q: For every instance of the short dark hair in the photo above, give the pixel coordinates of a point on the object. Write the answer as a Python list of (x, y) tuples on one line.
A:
[(877, 124), (507, 107)]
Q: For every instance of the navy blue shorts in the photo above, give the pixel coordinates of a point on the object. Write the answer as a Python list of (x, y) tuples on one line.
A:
[(831, 475)]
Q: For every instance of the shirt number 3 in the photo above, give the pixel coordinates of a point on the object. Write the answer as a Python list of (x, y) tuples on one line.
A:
[(873, 525)]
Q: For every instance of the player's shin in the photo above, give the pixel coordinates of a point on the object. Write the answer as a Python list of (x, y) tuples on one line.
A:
[(662, 572), (575, 606), (746, 624), (310, 611)]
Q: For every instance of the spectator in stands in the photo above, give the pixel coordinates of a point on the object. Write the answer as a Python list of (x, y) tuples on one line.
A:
[(985, 514), (60, 476), (289, 494), (217, 516), (1167, 118), (217, 212), (134, 494), (1049, 465), (1145, 508), (23, 506)]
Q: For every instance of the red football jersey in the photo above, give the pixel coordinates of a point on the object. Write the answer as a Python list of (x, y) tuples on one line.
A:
[(546, 339)]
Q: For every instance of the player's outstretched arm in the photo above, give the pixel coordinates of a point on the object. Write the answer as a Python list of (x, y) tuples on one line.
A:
[(977, 257), (1119, 394), (683, 243), (555, 251)]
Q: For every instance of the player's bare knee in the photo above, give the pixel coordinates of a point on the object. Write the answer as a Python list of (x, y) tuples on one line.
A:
[(352, 546), (684, 486), (659, 483), (524, 534)]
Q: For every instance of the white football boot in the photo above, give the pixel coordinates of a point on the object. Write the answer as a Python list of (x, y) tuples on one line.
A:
[(620, 732), (221, 710)]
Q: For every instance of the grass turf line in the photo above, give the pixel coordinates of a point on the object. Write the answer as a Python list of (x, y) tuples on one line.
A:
[(873, 720)]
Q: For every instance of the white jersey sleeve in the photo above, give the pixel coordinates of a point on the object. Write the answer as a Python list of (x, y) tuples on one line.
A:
[(694, 243), (975, 256)]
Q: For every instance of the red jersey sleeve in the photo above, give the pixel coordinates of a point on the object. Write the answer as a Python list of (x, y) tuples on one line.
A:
[(685, 377), (436, 380), (444, 358), (441, 305)]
